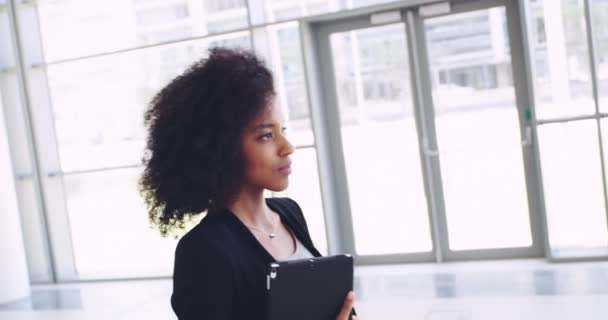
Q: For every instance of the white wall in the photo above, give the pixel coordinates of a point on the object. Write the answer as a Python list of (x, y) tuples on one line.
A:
[(14, 280)]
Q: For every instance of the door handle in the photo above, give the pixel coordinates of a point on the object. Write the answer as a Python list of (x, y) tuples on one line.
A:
[(527, 141), (427, 149)]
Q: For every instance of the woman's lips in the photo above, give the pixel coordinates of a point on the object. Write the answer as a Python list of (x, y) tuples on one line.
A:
[(285, 170)]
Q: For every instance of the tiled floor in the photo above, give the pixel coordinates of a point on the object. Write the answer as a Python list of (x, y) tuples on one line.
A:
[(461, 291)]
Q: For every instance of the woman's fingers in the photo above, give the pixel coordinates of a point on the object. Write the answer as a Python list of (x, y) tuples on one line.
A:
[(347, 307)]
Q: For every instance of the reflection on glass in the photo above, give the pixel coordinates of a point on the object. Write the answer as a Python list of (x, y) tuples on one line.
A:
[(478, 131), (304, 188), (378, 128), (7, 60), (365, 3), (280, 10), (572, 180), (234, 40), (264, 11), (98, 103), (225, 15), (109, 228), (560, 52), (73, 28), (599, 19), (281, 50)]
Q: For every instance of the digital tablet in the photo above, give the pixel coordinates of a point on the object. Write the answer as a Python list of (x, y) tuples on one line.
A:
[(308, 289)]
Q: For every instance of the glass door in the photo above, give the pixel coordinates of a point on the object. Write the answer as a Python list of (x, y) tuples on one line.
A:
[(377, 137), (481, 131), (428, 133)]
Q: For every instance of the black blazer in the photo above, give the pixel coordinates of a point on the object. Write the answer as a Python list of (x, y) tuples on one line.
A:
[(220, 266)]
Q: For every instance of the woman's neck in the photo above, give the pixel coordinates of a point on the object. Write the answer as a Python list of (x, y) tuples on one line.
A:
[(250, 207)]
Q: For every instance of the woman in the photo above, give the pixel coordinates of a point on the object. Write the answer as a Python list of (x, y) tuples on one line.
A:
[(216, 142)]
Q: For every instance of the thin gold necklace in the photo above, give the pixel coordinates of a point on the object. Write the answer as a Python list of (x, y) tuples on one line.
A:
[(271, 235)]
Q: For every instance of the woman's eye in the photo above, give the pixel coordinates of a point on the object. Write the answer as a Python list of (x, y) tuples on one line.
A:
[(284, 129), (266, 136)]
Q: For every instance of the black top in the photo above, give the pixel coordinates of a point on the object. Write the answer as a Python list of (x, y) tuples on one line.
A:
[(220, 267)]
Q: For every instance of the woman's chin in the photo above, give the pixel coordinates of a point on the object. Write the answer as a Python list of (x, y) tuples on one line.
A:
[(278, 187)]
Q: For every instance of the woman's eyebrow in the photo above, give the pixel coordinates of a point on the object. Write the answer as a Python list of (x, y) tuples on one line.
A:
[(264, 126)]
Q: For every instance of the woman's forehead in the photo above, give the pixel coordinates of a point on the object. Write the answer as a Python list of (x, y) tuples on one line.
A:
[(272, 113)]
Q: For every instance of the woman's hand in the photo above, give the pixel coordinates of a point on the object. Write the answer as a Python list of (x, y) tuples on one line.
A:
[(347, 307)]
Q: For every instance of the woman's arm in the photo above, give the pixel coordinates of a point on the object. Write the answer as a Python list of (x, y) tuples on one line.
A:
[(202, 283)]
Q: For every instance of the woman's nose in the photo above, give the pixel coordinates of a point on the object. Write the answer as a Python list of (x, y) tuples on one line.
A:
[(287, 147)]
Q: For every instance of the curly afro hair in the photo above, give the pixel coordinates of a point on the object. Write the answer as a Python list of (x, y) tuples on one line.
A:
[(194, 125)]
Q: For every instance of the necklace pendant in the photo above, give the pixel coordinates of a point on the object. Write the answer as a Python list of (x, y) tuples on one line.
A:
[(272, 235)]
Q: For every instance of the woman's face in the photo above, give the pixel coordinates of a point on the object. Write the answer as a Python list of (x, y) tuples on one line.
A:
[(266, 151)]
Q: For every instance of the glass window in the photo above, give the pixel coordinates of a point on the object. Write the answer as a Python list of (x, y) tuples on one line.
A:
[(280, 45), (599, 13), (162, 15), (73, 28), (109, 227), (304, 188), (225, 15), (6, 46), (264, 11), (472, 35), (233, 40), (372, 79), (365, 3), (572, 180), (214, 6), (560, 52), (98, 103)]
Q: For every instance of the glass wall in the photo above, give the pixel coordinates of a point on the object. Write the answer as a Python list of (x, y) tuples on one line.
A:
[(99, 87), (98, 105), (67, 26), (103, 61), (570, 76)]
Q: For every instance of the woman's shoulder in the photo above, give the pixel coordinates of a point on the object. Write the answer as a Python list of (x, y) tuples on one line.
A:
[(206, 238)]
